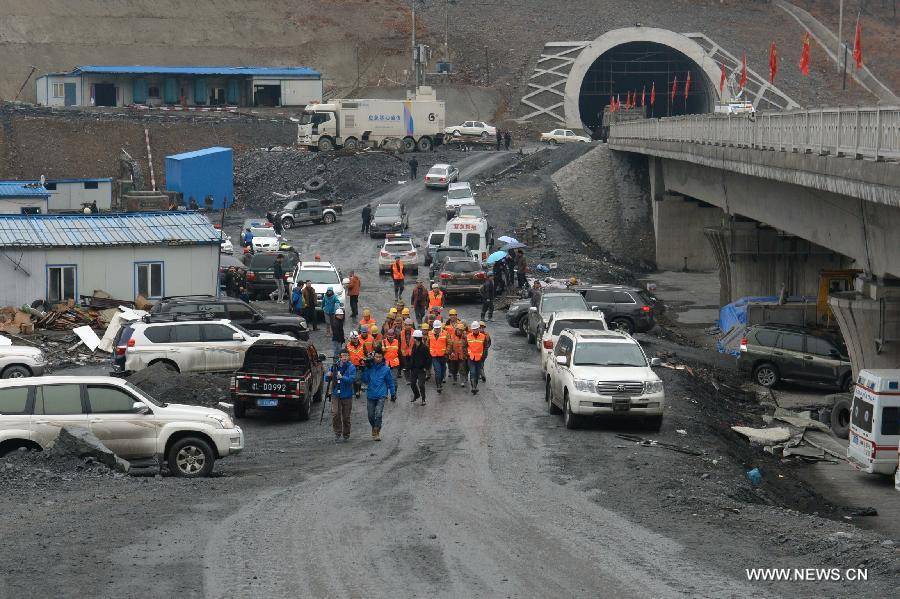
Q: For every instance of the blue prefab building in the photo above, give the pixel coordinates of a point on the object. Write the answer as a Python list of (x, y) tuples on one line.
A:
[(202, 174)]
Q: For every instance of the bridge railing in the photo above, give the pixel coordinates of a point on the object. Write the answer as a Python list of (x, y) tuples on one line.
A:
[(872, 133)]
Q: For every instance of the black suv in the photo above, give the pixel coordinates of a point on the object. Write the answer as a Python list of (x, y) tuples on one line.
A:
[(626, 308), (234, 310), (773, 352), (389, 218), (260, 280)]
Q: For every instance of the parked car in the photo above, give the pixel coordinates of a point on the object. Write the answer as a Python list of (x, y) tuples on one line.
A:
[(550, 301), (443, 253), (478, 128), (472, 211), (461, 276), (774, 352), (17, 361), (397, 245), (287, 376), (432, 243), (458, 194), (186, 345), (308, 210), (260, 271), (517, 315), (321, 276), (558, 322), (265, 239), (628, 308), (561, 136), (441, 175), (603, 373), (389, 218), (235, 310), (131, 423)]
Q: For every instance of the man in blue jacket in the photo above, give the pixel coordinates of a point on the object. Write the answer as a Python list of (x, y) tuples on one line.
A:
[(344, 373), (330, 304), (380, 381)]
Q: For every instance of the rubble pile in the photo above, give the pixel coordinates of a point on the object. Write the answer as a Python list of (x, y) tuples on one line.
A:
[(200, 389)]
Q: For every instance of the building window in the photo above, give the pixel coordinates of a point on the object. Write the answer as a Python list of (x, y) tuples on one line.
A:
[(153, 92), (50, 186), (149, 279), (61, 283), (59, 90), (91, 185)]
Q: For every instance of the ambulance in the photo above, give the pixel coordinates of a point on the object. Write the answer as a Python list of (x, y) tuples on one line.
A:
[(472, 233), (875, 422)]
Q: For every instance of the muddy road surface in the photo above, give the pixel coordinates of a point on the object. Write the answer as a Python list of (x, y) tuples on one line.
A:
[(482, 495)]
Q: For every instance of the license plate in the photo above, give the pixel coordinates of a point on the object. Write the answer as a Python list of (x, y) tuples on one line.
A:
[(268, 276), (267, 403), (621, 404), (266, 386)]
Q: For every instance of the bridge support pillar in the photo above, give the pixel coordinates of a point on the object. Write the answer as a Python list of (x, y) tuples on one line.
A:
[(869, 319), (678, 223), (755, 260)]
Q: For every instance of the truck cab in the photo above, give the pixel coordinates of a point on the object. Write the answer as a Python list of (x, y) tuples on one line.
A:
[(875, 421)]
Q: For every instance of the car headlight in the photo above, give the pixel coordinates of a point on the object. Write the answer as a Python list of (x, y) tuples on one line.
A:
[(398, 223), (40, 358), (223, 419), (653, 387), (586, 385)]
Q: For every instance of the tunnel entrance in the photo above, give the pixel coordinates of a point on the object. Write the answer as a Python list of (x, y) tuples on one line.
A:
[(635, 67)]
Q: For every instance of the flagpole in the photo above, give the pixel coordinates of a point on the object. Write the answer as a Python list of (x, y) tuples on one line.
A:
[(840, 36)]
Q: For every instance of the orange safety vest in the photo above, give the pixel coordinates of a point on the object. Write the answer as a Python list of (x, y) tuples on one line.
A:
[(367, 322), (388, 324), (437, 344), (435, 298), (391, 351), (458, 347), (357, 353), (476, 346), (397, 270), (406, 342)]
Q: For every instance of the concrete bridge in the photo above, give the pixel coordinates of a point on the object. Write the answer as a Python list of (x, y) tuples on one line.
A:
[(777, 197)]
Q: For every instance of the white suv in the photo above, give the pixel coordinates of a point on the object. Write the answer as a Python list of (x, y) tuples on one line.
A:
[(17, 361), (129, 422), (603, 373), (321, 276), (458, 194), (569, 319), (185, 346)]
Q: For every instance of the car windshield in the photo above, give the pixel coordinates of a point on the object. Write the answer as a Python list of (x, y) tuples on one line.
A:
[(608, 354), (443, 254), (470, 211), (289, 207), (459, 194), (558, 303), (462, 266), (264, 261), (436, 239), (263, 232), (387, 211), (245, 331), (438, 170), (144, 395), (582, 324), (319, 276), (397, 247)]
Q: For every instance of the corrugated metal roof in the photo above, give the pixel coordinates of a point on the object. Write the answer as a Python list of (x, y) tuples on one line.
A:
[(224, 71), (133, 228), (100, 180), (23, 189), (195, 153)]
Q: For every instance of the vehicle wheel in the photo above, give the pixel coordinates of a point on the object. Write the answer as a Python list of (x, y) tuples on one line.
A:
[(325, 144), (167, 364), (191, 457), (287, 223), (623, 324), (484, 134), (409, 144), (239, 409), (456, 132), (570, 419), (654, 423), (317, 396), (840, 418), (530, 335), (552, 142), (328, 218), (351, 143), (551, 407), (302, 411), (766, 375), (425, 144), (16, 371), (523, 326)]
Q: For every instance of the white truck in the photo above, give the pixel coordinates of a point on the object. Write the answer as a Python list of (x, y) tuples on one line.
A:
[(416, 123)]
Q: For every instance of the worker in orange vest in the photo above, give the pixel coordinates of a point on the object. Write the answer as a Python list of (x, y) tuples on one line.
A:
[(437, 345), (391, 321), (366, 320), (475, 343), (406, 346), (357, 357), (487, 346), (390, 345), (435, 297), (374, 341), (452, 320), (458, 358), (397, 275)]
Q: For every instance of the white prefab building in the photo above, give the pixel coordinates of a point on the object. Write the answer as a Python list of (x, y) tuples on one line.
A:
[(62, 257), (23, 197), (180, 86)]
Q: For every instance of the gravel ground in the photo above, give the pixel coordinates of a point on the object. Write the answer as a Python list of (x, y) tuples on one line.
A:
[(173, 387)]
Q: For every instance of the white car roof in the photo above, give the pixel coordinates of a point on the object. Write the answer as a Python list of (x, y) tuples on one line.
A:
[(57, 379), (441, 165), (316, 266), (168, 322), (460, 185), (578, 315), (601, 337)]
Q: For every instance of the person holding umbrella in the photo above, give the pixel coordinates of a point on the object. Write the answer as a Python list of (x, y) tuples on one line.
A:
[(521, 269)]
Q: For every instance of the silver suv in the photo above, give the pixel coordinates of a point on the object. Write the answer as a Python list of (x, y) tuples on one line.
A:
[(129, 422)]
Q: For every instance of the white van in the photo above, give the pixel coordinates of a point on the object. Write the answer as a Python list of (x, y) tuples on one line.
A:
[(472, 233), (875, 422)]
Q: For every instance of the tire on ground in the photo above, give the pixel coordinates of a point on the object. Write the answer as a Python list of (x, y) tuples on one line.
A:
[(314, 183), (840, 418), (190, 457)]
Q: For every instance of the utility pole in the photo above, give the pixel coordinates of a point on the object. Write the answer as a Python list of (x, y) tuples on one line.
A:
[(840, 31), (415, 51), (844, 82), (447, 30), (487, 67)]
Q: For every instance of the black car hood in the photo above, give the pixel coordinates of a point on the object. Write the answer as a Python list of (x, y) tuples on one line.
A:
[(291, 320), (390, 220)]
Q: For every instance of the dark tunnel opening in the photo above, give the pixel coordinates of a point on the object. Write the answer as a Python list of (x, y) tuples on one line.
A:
[(635, 67)]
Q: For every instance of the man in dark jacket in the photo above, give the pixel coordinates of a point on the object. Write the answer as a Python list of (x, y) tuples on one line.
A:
[(366, 218), (278, 275), (276, 226), (521, 269), (310, 300), (487, 297), (499, 139), (413, 169), (499, 277), (419, 363), (419, 301), (507, 139)]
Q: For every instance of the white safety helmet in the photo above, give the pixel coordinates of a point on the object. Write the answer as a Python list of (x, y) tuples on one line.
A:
[(354, 335), (339, 311), (417, 334), (475, 325), (437, 324)]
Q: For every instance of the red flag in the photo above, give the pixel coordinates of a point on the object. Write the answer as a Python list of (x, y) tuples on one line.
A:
[(643, 94), (674, 88), (628, 99), (612, 104), (687, 85), (743, 81), (773, 62), (857, 45), (653, 94), (804, 55), (722, 80), (633, 99), (618, 102)]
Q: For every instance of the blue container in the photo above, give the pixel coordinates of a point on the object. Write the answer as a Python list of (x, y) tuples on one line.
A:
[(201, 174), (139, 91), (232, 91), (200, 94), (170, 90)]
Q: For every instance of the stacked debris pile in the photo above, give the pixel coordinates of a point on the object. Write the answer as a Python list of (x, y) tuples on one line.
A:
[(65, 317), (164, 384)]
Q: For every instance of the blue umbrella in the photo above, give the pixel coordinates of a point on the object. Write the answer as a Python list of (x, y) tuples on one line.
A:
[(513, 246), (496, 257)]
